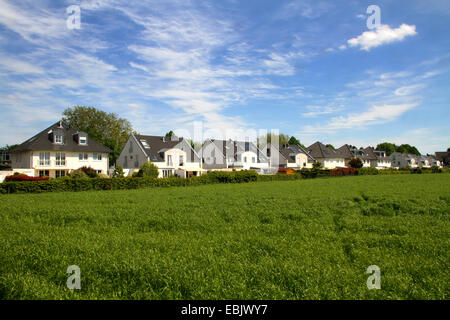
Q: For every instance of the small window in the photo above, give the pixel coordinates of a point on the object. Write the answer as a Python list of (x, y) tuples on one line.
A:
[(44, 158), (245, 159), (83, 156), (97, 156), (181, 160), (60, 173), (60, 159), (83, 140), (253, 159), (44, 173), (58, 138)]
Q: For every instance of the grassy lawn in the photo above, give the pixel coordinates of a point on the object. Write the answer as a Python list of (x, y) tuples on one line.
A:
[(307, 239)]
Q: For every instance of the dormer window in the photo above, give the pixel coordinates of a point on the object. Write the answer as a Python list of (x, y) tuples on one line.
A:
[(58, 138), (82, 140)]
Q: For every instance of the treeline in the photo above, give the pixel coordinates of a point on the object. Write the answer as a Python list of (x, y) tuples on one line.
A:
[(390, 148)]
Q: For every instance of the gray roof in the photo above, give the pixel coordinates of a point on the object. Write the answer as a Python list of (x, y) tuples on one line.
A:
[(348, 152), (289, 151), (43, 142), (319, 150), (157, 145)]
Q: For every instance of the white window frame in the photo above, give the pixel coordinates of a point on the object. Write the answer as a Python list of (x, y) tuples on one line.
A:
[(84, 157), (60, 159), (169, 160), (44, 158)]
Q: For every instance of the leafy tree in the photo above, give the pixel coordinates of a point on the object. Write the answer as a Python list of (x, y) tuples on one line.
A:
[(355, 163), (294, 141), (148, 170), (118, 172), (331, 146), (387, 147), (170, 134), (317, 165), (106, 128), (282, 138)]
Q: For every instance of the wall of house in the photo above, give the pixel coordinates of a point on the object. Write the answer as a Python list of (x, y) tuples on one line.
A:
[(21, 160), (132, 156), (72, 161), (330, 163)]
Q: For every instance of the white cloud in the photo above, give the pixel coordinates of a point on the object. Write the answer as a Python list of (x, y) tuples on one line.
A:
[(408, 90), (382, 35), (18, 66)]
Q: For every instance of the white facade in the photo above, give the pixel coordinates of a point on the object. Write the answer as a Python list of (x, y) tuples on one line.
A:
[(330, 163), (53, 163)]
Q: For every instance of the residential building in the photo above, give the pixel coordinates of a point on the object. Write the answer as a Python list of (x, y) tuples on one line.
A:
[(232, 155), (368, 158), (290, 156), (403, 160), (329, 158), (382, 161), (57, 150), (172, 155), (443, 158), (5, 159)]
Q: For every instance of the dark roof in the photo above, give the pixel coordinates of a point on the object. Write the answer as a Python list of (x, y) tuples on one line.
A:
[(370, 151), (348, 152), (158, 145), (319, 150), (289, 151), (42, 141)]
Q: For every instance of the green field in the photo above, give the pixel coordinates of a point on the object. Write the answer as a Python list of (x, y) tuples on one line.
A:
[(306, 239)]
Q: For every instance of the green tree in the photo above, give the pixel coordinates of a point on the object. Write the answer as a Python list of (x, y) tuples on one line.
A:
[(317, 165), (330, 146), (387, 147), (170, 134), (282, 138), (106, 128), (355, 163), (148, 170), (294, 141)]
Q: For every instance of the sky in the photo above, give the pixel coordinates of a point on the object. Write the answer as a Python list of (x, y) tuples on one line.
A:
[(309, 68)]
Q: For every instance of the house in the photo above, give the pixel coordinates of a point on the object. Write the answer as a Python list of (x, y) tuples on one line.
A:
[(5, 159), (382, 161), (289, 156), (329, 158), (443, 158), (368, 158), (172, 155), (231, 155), (57, 150), (403, 160), (428, 161)]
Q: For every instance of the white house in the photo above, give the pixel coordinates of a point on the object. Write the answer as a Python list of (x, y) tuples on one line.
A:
[(289, 156), (229, 155), (329, 158), (403, 160), (173, 156), (57, 150), (382, 161)]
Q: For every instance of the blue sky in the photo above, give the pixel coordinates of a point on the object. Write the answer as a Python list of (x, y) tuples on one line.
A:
[(311, 69)]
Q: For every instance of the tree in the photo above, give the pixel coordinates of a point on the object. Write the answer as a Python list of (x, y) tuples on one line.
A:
[(330, 146), (106, 128), (317, 165), (355, 163), (148, 170), (170, 134), (293, 141), (387, 147), (282, 138)]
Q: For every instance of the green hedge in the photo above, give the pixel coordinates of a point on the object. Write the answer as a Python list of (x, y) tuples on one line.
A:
[(86, 184), (367, 171), (279, 177)]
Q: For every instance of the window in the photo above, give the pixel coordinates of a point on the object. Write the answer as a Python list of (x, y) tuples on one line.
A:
[(4, 156), (167, 173), (253, 159), (44, 173), (245, 159), (136, 162), (125, 162), (60, 173), (130, 150), (60, 159), (44, 158), (83, 156), (82, 140), (58, 138), (97, 156), (268, 152), (181, 160), (169, 160)]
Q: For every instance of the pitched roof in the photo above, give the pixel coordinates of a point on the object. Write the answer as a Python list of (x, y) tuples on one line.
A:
[(319, 150), (42, 141), (290, 151), (370, 151), (155, 146)]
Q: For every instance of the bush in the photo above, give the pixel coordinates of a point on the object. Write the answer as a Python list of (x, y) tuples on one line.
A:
[(416, 171), (118, 172), (355, 163), (148, 170), (23, 177), (343, 172), (367, 171), (90, 172), (436, 169), (78, 174)]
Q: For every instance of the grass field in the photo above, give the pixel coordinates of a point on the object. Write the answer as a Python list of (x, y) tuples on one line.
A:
[(307, 239)]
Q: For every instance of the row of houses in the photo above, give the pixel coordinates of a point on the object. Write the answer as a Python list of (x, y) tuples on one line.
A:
[(59, 149)]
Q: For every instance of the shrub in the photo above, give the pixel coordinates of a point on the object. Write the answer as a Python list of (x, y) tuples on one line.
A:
[(436, 169), (90, 172), (118, 172), (148, 170), (24, 177), (367, 171), (78, 174), (103, 176), (416, 171), (343, 172), (355, 163)]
